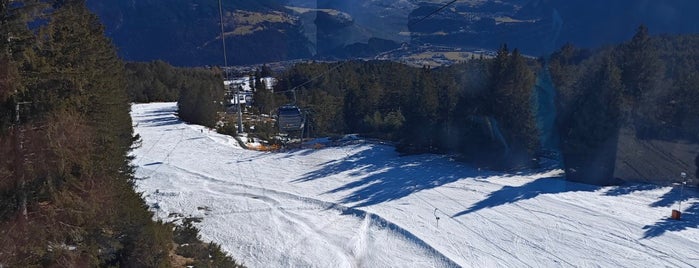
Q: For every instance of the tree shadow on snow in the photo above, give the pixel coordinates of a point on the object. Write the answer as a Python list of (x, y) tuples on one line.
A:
[(156, 113), (366, 161), (165, 116), (160, 117), (384, 176), (673, 196), (630, 188), (161, 121), (400, 181), (532, 189), (689, 218)]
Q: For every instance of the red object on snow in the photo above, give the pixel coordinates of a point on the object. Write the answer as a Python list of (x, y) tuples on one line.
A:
[(676, 214)]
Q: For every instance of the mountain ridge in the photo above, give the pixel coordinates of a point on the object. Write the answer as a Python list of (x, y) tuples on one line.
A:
[(183, 32)]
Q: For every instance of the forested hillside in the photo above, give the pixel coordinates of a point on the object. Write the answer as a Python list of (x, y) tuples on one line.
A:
[(186, 33), (66, 195), (480, 108), (198, 91), (619, 107), (629, 111)]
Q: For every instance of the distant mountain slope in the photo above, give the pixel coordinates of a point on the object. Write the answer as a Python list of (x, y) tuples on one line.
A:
[(186, 32), (592, 23)]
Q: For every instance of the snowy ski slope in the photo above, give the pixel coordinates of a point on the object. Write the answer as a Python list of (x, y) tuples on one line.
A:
[(359, 204)]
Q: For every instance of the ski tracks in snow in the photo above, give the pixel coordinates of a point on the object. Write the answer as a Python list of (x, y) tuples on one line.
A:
[(361, 241), (249, 204), (356, 253)]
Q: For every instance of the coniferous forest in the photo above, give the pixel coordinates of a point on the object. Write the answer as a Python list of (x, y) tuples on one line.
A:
[(66, 183), (198, 91), (480, 109), (613, 99), (485, 110)]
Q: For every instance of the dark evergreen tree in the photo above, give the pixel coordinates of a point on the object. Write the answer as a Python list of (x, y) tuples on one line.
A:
[(512, 84), (642, 76), (265, 71), (200, 98), (589, 127), (420, 115), (155, 81), (264, 99), (75, 125), (640, 65)]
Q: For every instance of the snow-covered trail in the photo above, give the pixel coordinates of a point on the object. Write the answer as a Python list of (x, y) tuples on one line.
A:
[(361, 205)]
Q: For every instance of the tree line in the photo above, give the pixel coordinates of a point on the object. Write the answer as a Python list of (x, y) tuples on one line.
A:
[(66, 183), (481, 107), (646, 86), (198, 91), (485, 109)]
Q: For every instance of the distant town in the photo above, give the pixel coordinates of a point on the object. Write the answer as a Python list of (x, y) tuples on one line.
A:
[(413, 55)]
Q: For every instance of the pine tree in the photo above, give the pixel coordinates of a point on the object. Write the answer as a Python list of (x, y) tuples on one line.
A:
[(511, 95), (263, 98), (91, 76), (641, 67), (642, 76), (419, 133), (590, 127), (200, 97), (15, 39), (78, 132)]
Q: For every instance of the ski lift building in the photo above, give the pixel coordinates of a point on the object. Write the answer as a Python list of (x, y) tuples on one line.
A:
[(269, 82), (240, 90)]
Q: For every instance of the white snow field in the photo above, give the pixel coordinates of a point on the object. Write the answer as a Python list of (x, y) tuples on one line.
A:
[(360, 204)]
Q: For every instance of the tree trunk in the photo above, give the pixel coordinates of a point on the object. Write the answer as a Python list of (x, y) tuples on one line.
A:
[(19, 165)]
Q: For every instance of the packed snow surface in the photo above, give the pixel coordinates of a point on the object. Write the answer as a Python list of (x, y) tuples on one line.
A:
[(355, 203)]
